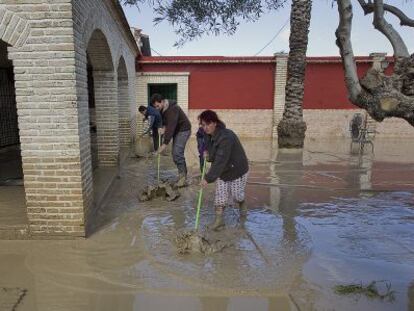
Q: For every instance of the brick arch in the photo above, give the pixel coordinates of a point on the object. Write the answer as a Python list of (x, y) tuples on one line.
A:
[(99, 52), (122, 68), (93, 23), (129, 62), (14, 30)]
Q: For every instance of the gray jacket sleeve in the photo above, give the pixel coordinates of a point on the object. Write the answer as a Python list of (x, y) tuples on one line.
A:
[(221, 159)]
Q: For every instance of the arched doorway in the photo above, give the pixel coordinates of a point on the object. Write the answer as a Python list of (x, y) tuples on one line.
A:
[(13, 212), (101, 158), (105, 96)]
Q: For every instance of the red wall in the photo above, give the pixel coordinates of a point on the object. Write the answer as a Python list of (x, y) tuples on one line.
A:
[(250, 85), (325, 86), (225, 86)]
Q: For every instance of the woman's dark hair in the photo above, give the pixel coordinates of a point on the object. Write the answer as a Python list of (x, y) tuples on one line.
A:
[(156, 98), (142, 108), (209, 116)]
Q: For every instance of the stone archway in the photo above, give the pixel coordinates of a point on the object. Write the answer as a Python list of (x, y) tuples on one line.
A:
[(106, 99), (13, 210), (14, 31)]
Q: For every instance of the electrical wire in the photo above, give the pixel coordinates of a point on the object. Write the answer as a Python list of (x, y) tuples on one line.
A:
[(159, 54), (274, 37)]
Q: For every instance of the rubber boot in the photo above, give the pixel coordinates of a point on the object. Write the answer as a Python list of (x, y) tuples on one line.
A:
[(218, 221), (242, 209), (182, 181)]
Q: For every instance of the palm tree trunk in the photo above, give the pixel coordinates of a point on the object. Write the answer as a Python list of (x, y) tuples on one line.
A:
[(291, 129)]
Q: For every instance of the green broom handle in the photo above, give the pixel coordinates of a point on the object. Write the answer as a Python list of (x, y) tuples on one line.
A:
[(200, 195)]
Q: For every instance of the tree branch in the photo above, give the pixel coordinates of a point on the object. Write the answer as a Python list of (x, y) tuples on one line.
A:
[(404, 19), (398, 44), (343, 35)]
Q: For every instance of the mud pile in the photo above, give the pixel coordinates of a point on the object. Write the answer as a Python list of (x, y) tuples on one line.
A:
[(163, 190), (197, 242)]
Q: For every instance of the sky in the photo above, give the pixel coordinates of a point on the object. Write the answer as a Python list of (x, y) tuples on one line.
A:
[(250, 38)]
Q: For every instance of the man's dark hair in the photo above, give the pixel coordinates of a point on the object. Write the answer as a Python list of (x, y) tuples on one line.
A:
[(156, 98), (142, 108)]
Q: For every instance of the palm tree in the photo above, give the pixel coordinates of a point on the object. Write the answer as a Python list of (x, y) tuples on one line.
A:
[(291, 129)]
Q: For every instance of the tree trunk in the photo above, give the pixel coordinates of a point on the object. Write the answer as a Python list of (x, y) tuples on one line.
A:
[(381, 95), (291, 129)]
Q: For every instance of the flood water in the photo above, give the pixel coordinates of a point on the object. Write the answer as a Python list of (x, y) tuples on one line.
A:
[(317, 218)]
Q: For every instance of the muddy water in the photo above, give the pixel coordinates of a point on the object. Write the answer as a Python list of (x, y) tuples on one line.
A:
[(316, 219)]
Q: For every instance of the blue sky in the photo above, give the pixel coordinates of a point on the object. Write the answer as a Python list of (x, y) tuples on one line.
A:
[(252, 37)]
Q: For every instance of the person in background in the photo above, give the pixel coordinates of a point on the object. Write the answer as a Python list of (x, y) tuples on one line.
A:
[(177, 128), (229, 168), (155, 123)]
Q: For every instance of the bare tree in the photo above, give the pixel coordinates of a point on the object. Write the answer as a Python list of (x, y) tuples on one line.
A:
[(382, 96)]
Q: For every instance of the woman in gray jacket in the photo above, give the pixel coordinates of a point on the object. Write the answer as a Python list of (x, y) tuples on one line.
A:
[(229, 166)]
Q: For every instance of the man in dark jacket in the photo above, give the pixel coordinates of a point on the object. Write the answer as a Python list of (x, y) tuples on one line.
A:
[(229, 168), (176, 127), (155, 123)]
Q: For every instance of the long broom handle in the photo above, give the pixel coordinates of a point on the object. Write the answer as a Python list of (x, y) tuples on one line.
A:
[(200, 195), (158, 159)]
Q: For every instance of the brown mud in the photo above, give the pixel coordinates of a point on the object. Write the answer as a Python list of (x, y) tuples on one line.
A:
[(165, 190), (352, 222), (199, 242)]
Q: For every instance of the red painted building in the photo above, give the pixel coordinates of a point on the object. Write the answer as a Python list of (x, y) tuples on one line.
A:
[(245, 88)]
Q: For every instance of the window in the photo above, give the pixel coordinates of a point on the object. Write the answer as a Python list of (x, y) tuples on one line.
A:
[(168, 90)]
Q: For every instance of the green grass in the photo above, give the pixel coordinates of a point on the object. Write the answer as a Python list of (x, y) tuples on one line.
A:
[(371, 290)]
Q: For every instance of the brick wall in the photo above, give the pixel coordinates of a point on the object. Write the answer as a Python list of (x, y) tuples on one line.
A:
[(42, 52), (327, 110), (335, 123), (48, 42), (279, 94), (244, 122), (98, 34)]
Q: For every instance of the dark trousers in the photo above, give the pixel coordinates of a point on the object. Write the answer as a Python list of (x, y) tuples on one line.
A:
[(155, 137), (179, 142), (201, 162)]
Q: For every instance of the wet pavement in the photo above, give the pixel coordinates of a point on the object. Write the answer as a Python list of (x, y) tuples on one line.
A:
[(317, 218)]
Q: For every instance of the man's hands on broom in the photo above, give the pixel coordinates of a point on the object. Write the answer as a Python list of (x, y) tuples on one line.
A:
[(203, 182), (161, 148)]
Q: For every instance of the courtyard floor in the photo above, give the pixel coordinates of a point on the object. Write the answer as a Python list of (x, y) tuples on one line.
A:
[(317, 218)]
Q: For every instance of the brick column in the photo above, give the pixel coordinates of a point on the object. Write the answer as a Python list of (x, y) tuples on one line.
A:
[(44, 70), (133, 109), (279, 94), (124, 113), (107, 117)]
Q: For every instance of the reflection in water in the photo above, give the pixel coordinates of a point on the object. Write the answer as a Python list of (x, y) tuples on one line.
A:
[(292, 161), (214, 303), (297, 201), (360, 171)]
